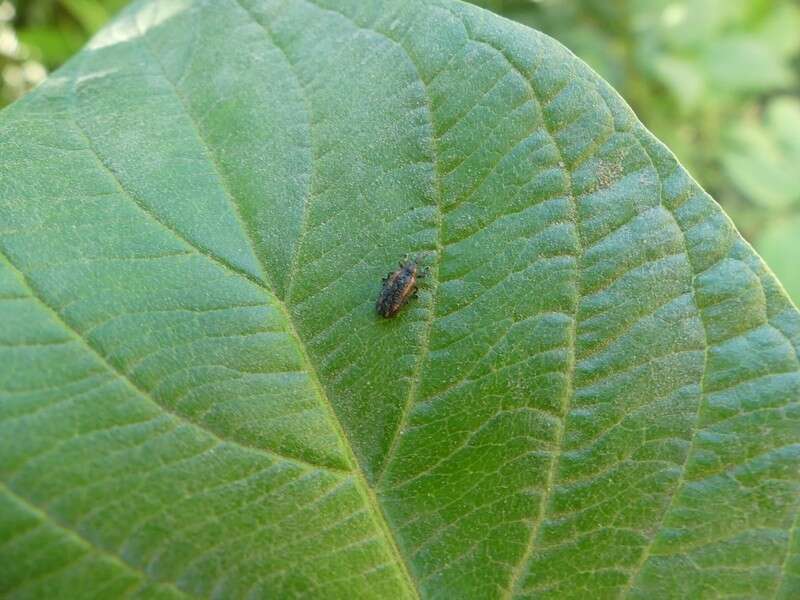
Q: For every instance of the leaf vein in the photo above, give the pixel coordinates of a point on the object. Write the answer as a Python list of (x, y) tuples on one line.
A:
[(86, 543)]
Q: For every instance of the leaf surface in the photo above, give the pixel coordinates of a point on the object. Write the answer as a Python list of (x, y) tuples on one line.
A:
[(596, 392)]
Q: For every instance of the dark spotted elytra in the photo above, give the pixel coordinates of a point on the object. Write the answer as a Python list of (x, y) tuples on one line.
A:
[(398, 287)]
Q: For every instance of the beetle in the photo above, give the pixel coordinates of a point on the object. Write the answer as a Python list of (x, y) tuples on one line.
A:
[(398, 287)]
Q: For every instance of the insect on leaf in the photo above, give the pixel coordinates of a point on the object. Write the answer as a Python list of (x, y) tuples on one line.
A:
[(595, 394)]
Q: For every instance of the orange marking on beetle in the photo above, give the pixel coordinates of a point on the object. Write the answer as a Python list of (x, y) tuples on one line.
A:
[(398, 287)]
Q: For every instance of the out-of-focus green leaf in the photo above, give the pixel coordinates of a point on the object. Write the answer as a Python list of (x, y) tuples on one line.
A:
[(91, 14), (52, 45), (745, 63), (780, 28), (778, 244), (783, 116), (682, 78), (763, 155)]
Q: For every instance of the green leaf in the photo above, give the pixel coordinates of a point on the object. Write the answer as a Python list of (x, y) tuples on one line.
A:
[(762, 156), (50, 44), (91, 14), (595, 394), (745, 63), (778, 244), (683, 79)]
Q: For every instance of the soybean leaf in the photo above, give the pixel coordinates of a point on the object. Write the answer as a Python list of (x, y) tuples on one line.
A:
[(595, 394)]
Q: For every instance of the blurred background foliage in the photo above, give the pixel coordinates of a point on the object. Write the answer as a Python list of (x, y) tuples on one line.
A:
[(36, 36), (717, 80)]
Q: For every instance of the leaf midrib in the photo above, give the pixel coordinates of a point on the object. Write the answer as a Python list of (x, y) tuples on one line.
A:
[(521, 566), (367, 493), (411, 397), (268, 286)]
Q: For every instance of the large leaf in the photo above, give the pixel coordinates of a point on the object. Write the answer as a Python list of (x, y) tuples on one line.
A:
[(596, 393)]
